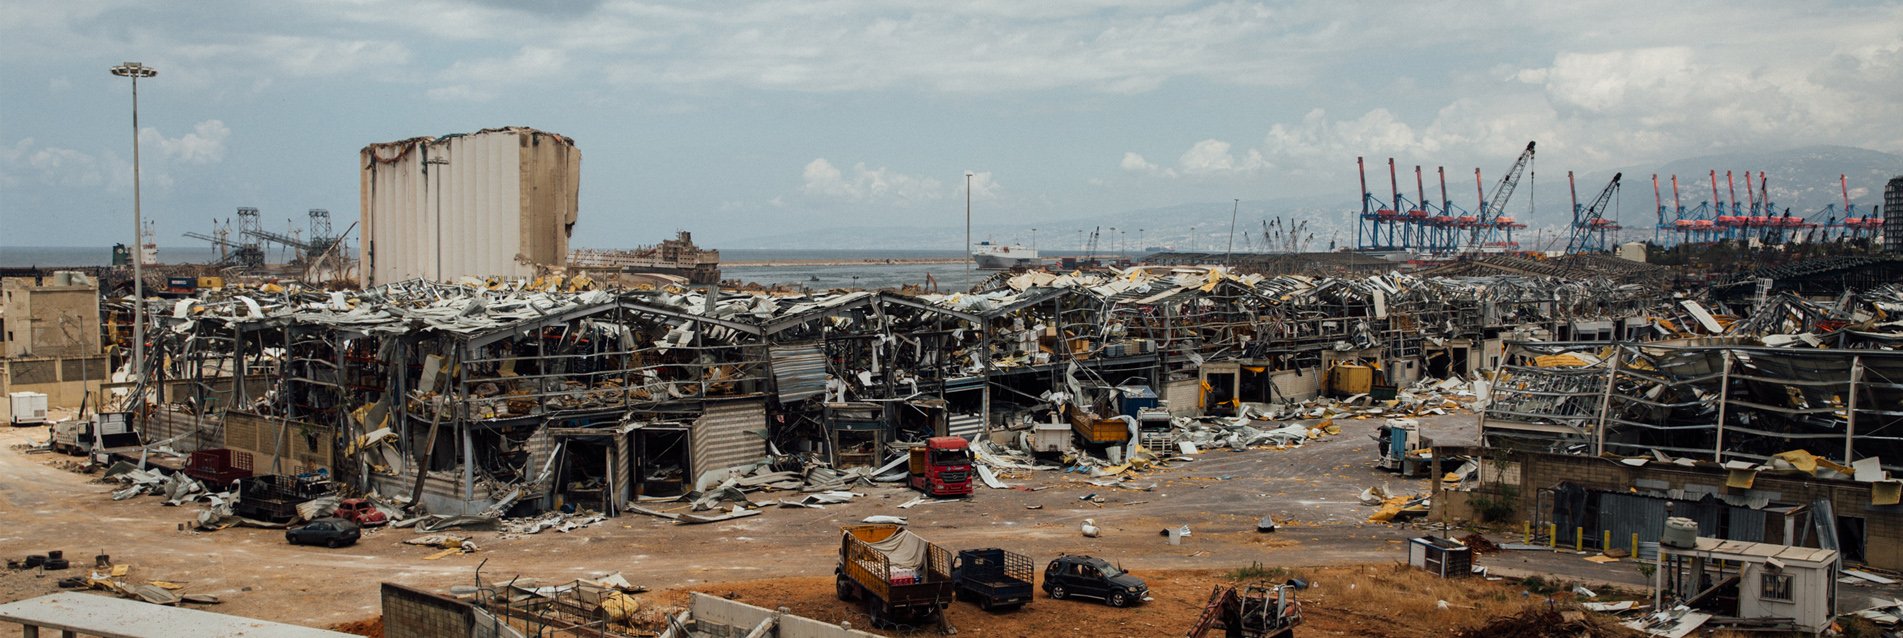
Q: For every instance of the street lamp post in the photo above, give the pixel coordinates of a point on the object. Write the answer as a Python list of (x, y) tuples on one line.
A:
[(135, 71), (968, 256)]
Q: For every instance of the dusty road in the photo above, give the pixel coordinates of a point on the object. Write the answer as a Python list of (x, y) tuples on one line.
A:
[(1220, 495)]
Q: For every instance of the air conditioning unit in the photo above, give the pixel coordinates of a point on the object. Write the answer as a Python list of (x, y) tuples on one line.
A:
[(29, 408), (1680, 532)]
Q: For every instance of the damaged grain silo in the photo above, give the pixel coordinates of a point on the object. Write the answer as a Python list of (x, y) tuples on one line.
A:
[(497, 202)]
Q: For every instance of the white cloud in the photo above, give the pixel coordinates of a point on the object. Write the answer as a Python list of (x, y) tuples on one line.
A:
[(983, 187), (1207, 158), (1212, 157), (204, 145), (59, 167), (884, 186), (481, 79), (874, 185)]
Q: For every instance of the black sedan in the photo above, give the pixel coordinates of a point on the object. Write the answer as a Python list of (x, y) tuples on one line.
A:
[(329, 532)]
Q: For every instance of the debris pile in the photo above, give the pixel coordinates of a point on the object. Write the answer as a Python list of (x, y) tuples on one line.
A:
[(1549, 623)]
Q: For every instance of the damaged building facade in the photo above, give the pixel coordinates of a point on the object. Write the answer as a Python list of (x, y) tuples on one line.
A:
[(1781, 423), (517, 397), (497, 202)]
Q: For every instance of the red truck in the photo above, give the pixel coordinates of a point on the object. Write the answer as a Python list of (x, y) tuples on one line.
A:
[(942, 467)]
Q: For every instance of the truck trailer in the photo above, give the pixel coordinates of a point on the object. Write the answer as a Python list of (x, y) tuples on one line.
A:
[(904, 580)]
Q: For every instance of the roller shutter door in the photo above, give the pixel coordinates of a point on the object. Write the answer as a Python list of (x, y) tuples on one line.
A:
[(723, 435)]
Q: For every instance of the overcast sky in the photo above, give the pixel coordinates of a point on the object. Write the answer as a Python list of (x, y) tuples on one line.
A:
[(731, 119)]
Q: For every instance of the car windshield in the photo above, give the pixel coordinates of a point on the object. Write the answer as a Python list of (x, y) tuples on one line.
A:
[(951, 457), (1109, 571)]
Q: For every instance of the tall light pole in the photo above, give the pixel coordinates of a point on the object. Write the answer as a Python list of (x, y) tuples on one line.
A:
[(1228, 255), (135, 71), (968, 256)]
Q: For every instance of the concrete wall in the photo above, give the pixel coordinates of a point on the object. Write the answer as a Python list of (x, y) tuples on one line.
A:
[(53, 317), (715, 616), (414, 613), (303, 447), (1883, 524), (64, 380)]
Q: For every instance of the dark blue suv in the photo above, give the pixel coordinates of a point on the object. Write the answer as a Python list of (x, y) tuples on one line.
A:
[(1068, 576)]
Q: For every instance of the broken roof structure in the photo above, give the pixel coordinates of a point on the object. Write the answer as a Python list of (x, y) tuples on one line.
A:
[(500, 395)]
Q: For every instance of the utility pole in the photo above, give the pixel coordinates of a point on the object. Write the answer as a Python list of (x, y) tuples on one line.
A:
[(968, 257), (1228, 255), (135, 71)]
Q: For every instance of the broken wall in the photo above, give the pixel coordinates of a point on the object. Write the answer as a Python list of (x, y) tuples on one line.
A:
[(296, 447), (722, 618)]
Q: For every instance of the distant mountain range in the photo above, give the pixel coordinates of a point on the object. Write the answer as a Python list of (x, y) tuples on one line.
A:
[(1804, 180)]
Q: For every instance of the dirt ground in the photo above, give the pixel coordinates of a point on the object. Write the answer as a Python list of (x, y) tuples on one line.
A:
[(1375, 601), (1220, 495)]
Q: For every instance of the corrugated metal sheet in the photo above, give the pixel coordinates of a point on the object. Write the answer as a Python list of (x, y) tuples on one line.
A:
[(540, 446), (620, 481), (1625, 514), (799, 370), (723, 435), (505, 196), (966, 425)]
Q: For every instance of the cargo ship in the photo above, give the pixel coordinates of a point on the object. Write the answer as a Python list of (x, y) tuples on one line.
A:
[(677, 257), (989, 256)]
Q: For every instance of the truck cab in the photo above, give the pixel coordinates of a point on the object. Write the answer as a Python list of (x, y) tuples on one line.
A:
[(942, 467)]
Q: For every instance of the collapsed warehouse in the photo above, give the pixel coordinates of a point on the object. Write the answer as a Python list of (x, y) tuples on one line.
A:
[(1782, 426), (1599, 403), (514, 399)]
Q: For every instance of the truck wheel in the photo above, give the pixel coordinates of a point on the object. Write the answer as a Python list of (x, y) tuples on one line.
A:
[(1117, 599), (1057, 592), (986, 605), (845, 587)]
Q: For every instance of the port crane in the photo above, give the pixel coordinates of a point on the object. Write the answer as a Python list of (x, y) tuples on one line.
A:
[(1590, 224), (246, 255), (1492, 214), (1283, 235)]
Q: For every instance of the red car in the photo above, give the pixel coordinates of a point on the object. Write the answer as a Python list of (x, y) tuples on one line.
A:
[(361, 512)]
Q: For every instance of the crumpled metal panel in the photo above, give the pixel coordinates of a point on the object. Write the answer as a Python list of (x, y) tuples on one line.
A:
[(799, 371)]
